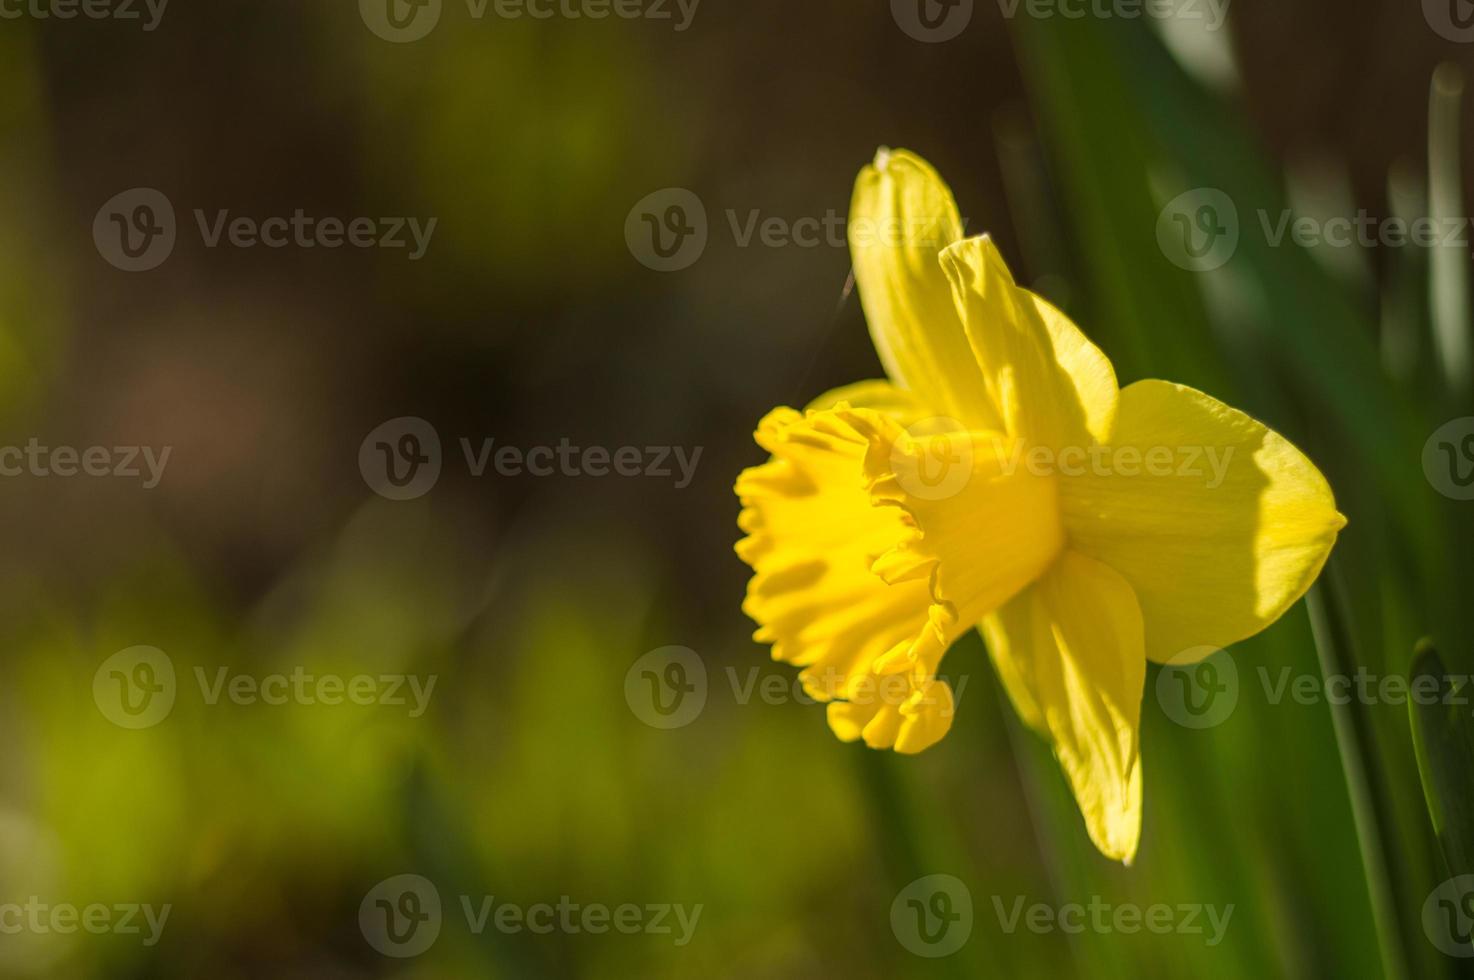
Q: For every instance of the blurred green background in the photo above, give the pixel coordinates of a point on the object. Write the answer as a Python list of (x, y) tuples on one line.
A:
[(532, 776)]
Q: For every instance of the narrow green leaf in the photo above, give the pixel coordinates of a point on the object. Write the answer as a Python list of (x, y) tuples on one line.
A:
[(1370, 799), (1449, 278), (1443, 735)]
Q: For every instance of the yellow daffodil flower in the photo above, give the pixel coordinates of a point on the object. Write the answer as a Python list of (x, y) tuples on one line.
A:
[(1002, 479)]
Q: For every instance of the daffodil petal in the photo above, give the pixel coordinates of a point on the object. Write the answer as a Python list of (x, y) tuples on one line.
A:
[(926, 716), (876, 723), (982, 526), (913, 725), (1218, 523), (813, 534), (1051, 386), (1088, 370), (881, 396), (1009, 634), (901, 217), (1088, 671)]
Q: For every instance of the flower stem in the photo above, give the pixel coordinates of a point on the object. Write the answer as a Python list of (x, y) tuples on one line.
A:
[(1329, 624)]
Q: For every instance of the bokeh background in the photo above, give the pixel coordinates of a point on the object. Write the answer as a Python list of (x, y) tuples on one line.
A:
[(529, 320)]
